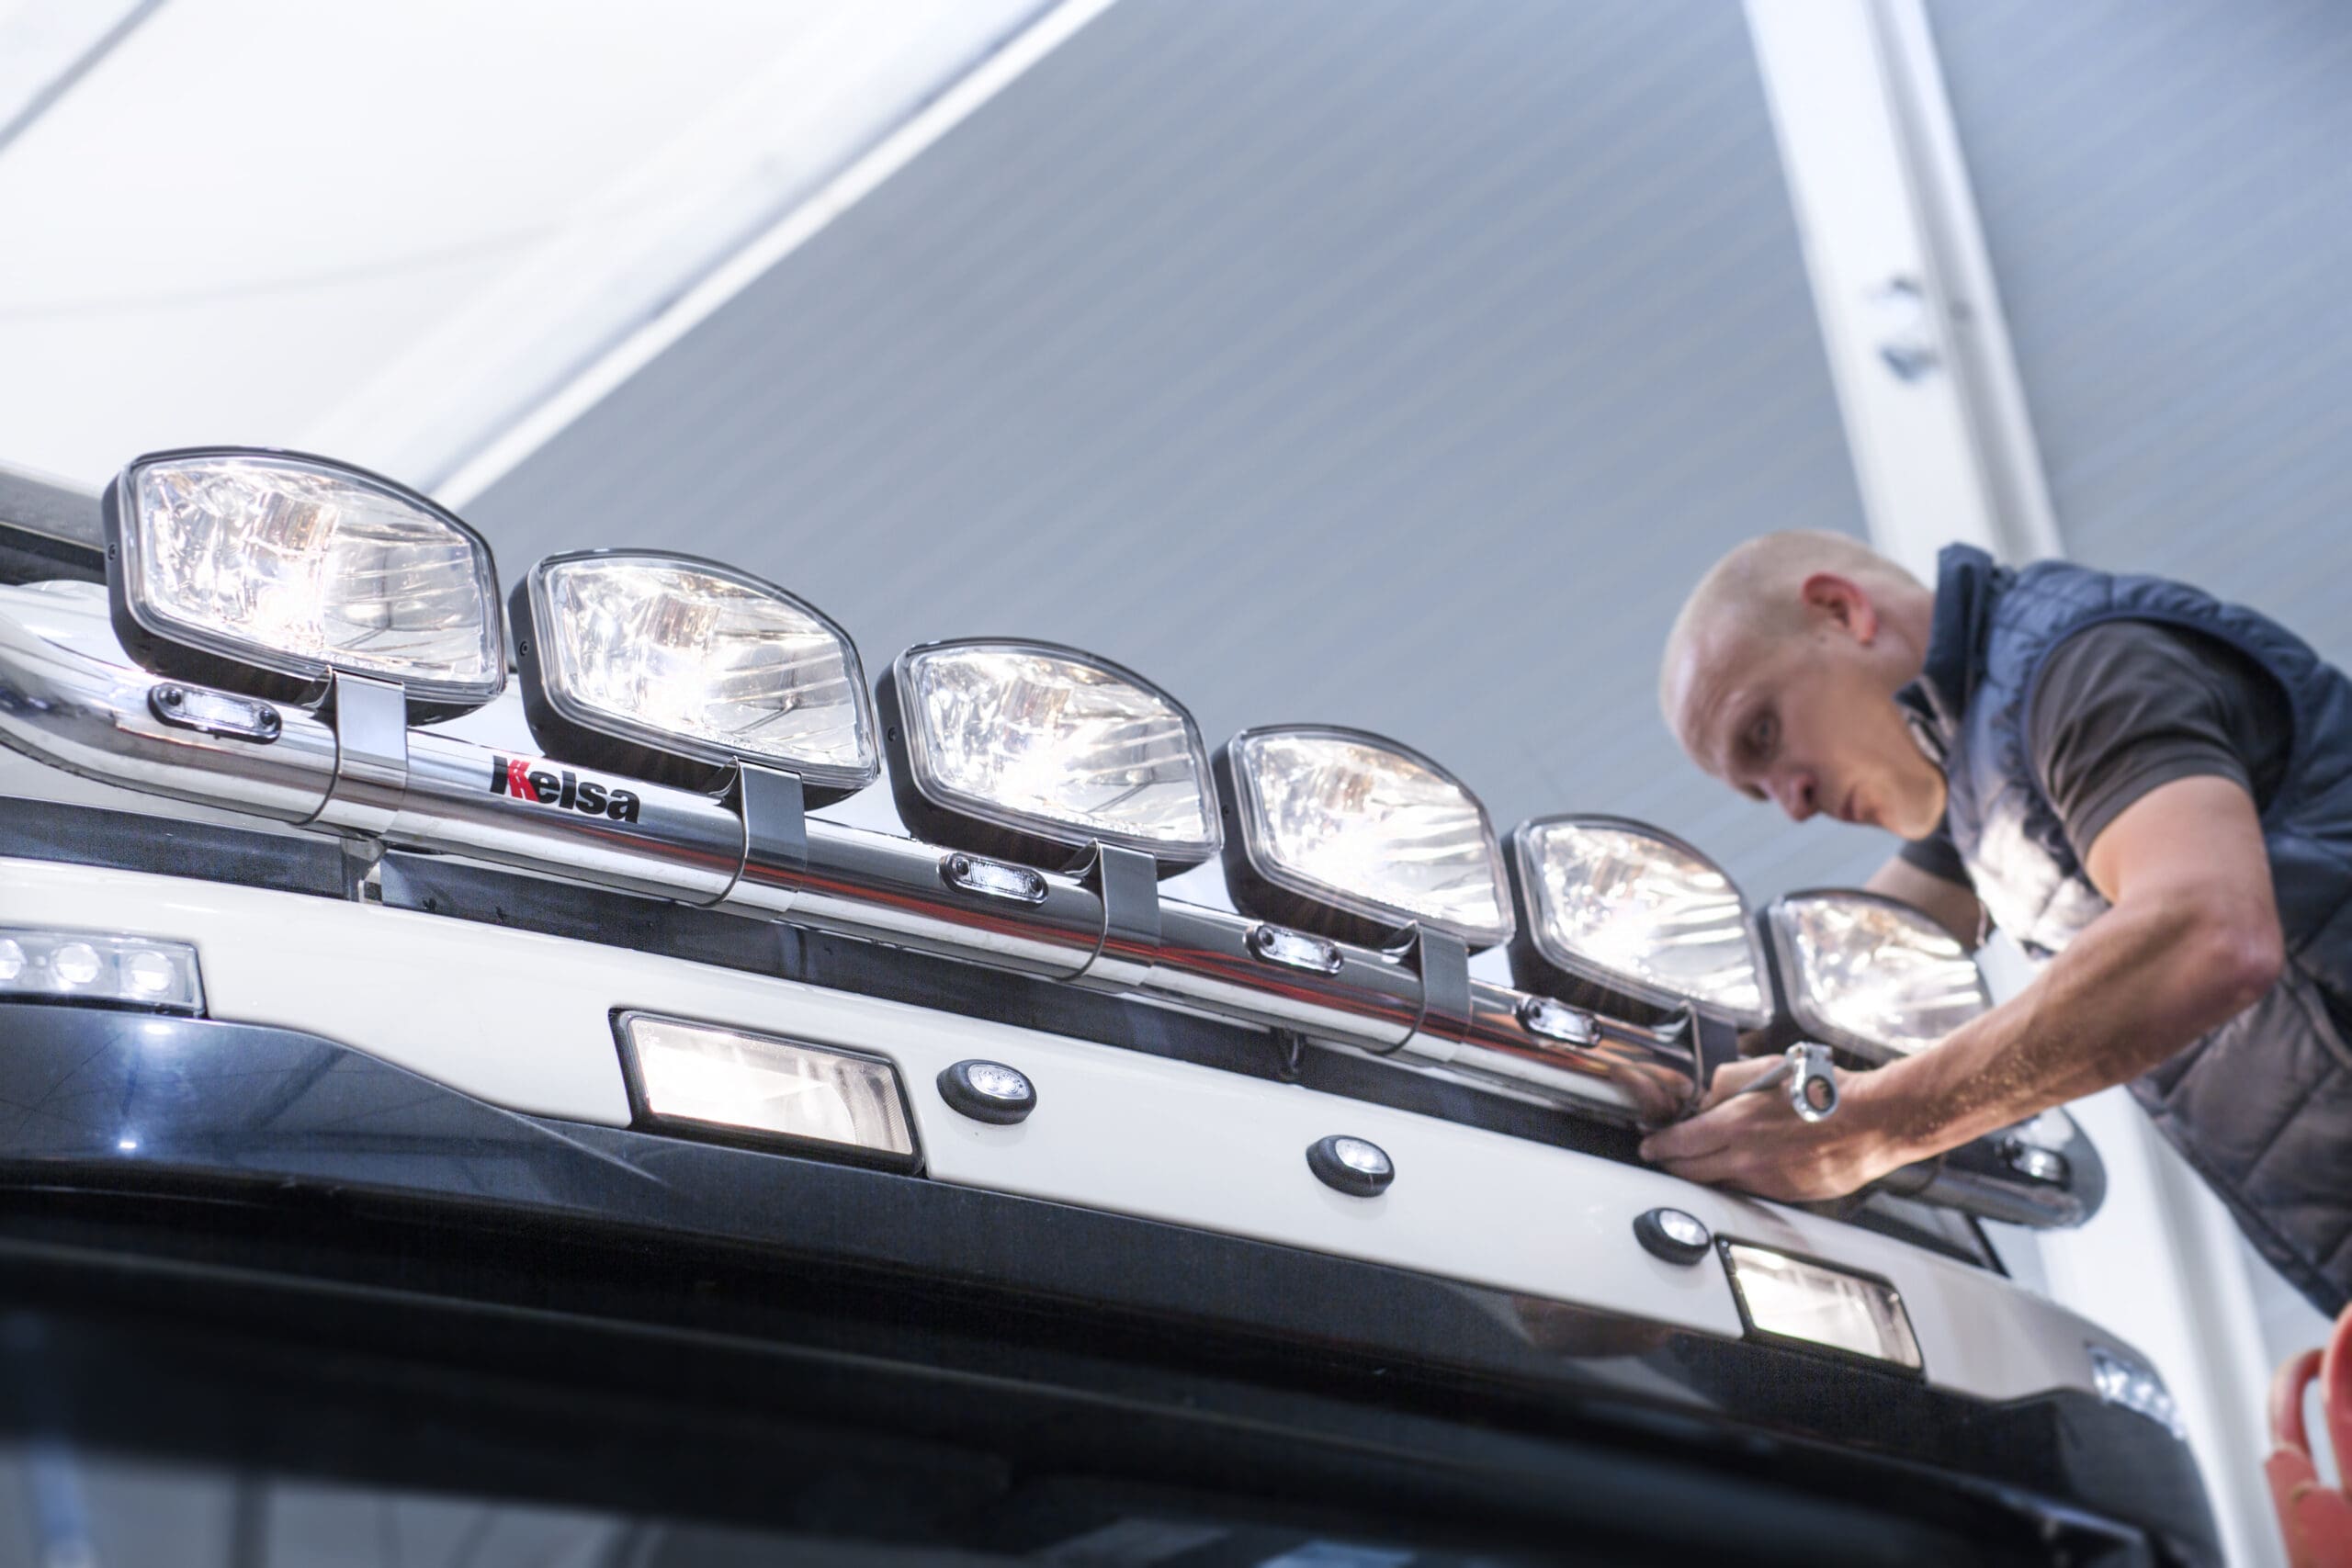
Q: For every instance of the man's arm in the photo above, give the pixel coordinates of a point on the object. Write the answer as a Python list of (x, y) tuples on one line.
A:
[(1951, 905), (2192, 938)]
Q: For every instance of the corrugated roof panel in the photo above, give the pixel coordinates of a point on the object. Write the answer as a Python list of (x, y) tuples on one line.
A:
[(1371, 362), (2167, 198)]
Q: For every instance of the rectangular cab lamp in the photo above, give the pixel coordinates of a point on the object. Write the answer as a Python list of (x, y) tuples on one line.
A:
[(711, 1078), (1791, 1298)]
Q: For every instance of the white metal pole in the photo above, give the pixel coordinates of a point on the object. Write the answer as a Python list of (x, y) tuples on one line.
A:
[(1943, 450)]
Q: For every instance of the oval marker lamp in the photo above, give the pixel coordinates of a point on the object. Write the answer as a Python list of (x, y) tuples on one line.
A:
[(1870, 975), (1356, 836), (269, 572), (1618, 906), (668, 668), (1034, 753)]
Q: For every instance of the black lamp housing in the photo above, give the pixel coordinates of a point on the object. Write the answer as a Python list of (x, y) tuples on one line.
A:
[(955, 819), (1269, 891), (568, 729), (1793, 1016), (156, 643), (1540, 965)]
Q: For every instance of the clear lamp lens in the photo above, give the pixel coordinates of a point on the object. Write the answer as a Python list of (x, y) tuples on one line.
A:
[(1619, 902), (686, 656), (2120, 1381), (1797, 1299), (713, 1076), (1872, 975), (1042, 741), (997, 1082), (92, 966), (302, 567), (1356, 822)]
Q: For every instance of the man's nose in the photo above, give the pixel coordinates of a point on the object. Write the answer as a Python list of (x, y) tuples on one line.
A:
[(1797, 792)]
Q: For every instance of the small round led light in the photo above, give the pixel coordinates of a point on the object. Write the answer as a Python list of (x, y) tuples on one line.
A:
[(987, 1091), (2035, 1163), (76, 963), (1357, 1167), (12, 958), (1673, 1234), (147, 972)]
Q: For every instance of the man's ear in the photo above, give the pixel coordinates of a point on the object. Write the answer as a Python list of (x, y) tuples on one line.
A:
[(1843, 602)]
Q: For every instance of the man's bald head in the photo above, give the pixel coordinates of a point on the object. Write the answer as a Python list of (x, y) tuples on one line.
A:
[(1754, 595), (1780, 676)]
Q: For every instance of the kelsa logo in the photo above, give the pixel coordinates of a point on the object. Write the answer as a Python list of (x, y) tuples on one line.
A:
[(566, 790)]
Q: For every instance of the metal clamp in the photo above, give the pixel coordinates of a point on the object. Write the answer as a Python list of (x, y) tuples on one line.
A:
[(1810, 1078), (1442, 961), (370, 722), (775, 838), (1127, 881)]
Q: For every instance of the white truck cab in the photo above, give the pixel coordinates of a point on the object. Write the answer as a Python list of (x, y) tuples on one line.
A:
[(529, 1098)]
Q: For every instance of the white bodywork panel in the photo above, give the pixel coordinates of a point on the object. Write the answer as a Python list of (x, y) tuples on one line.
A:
[(523, 1021)]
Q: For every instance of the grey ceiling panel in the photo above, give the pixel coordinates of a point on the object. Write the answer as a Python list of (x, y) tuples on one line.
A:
[(2167, 192), (1383, 364)]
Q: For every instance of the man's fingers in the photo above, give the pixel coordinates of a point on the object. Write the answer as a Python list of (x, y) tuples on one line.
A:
[(1733, 1077), (1703, 1134), (1658, 1093), (1727, 1168)]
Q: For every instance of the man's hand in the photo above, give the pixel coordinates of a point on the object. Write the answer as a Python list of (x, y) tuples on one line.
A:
[(1758, 1143), (2193, 938)]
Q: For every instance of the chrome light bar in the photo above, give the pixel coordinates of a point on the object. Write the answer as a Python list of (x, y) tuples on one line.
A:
[(366, 773), (71, 702)]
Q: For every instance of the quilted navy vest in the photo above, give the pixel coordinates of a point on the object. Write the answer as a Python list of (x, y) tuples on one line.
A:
[(2262, 1106)]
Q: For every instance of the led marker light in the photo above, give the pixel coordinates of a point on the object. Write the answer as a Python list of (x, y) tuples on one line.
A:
[(215, 713), (2035, 1163), (1549, 1019), (1357, 1167), (1673, 1235), (993, 879), (987, 1091), (1295, 950), (96, 969), (2122, 1381)]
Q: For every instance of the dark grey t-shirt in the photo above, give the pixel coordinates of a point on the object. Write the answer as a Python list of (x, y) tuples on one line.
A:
[(2127, 706)]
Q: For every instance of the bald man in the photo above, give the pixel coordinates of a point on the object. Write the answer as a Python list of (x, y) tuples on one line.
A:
[(2149, 790)]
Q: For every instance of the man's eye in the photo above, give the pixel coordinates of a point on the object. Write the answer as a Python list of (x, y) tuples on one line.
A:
[(1762, 736)]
